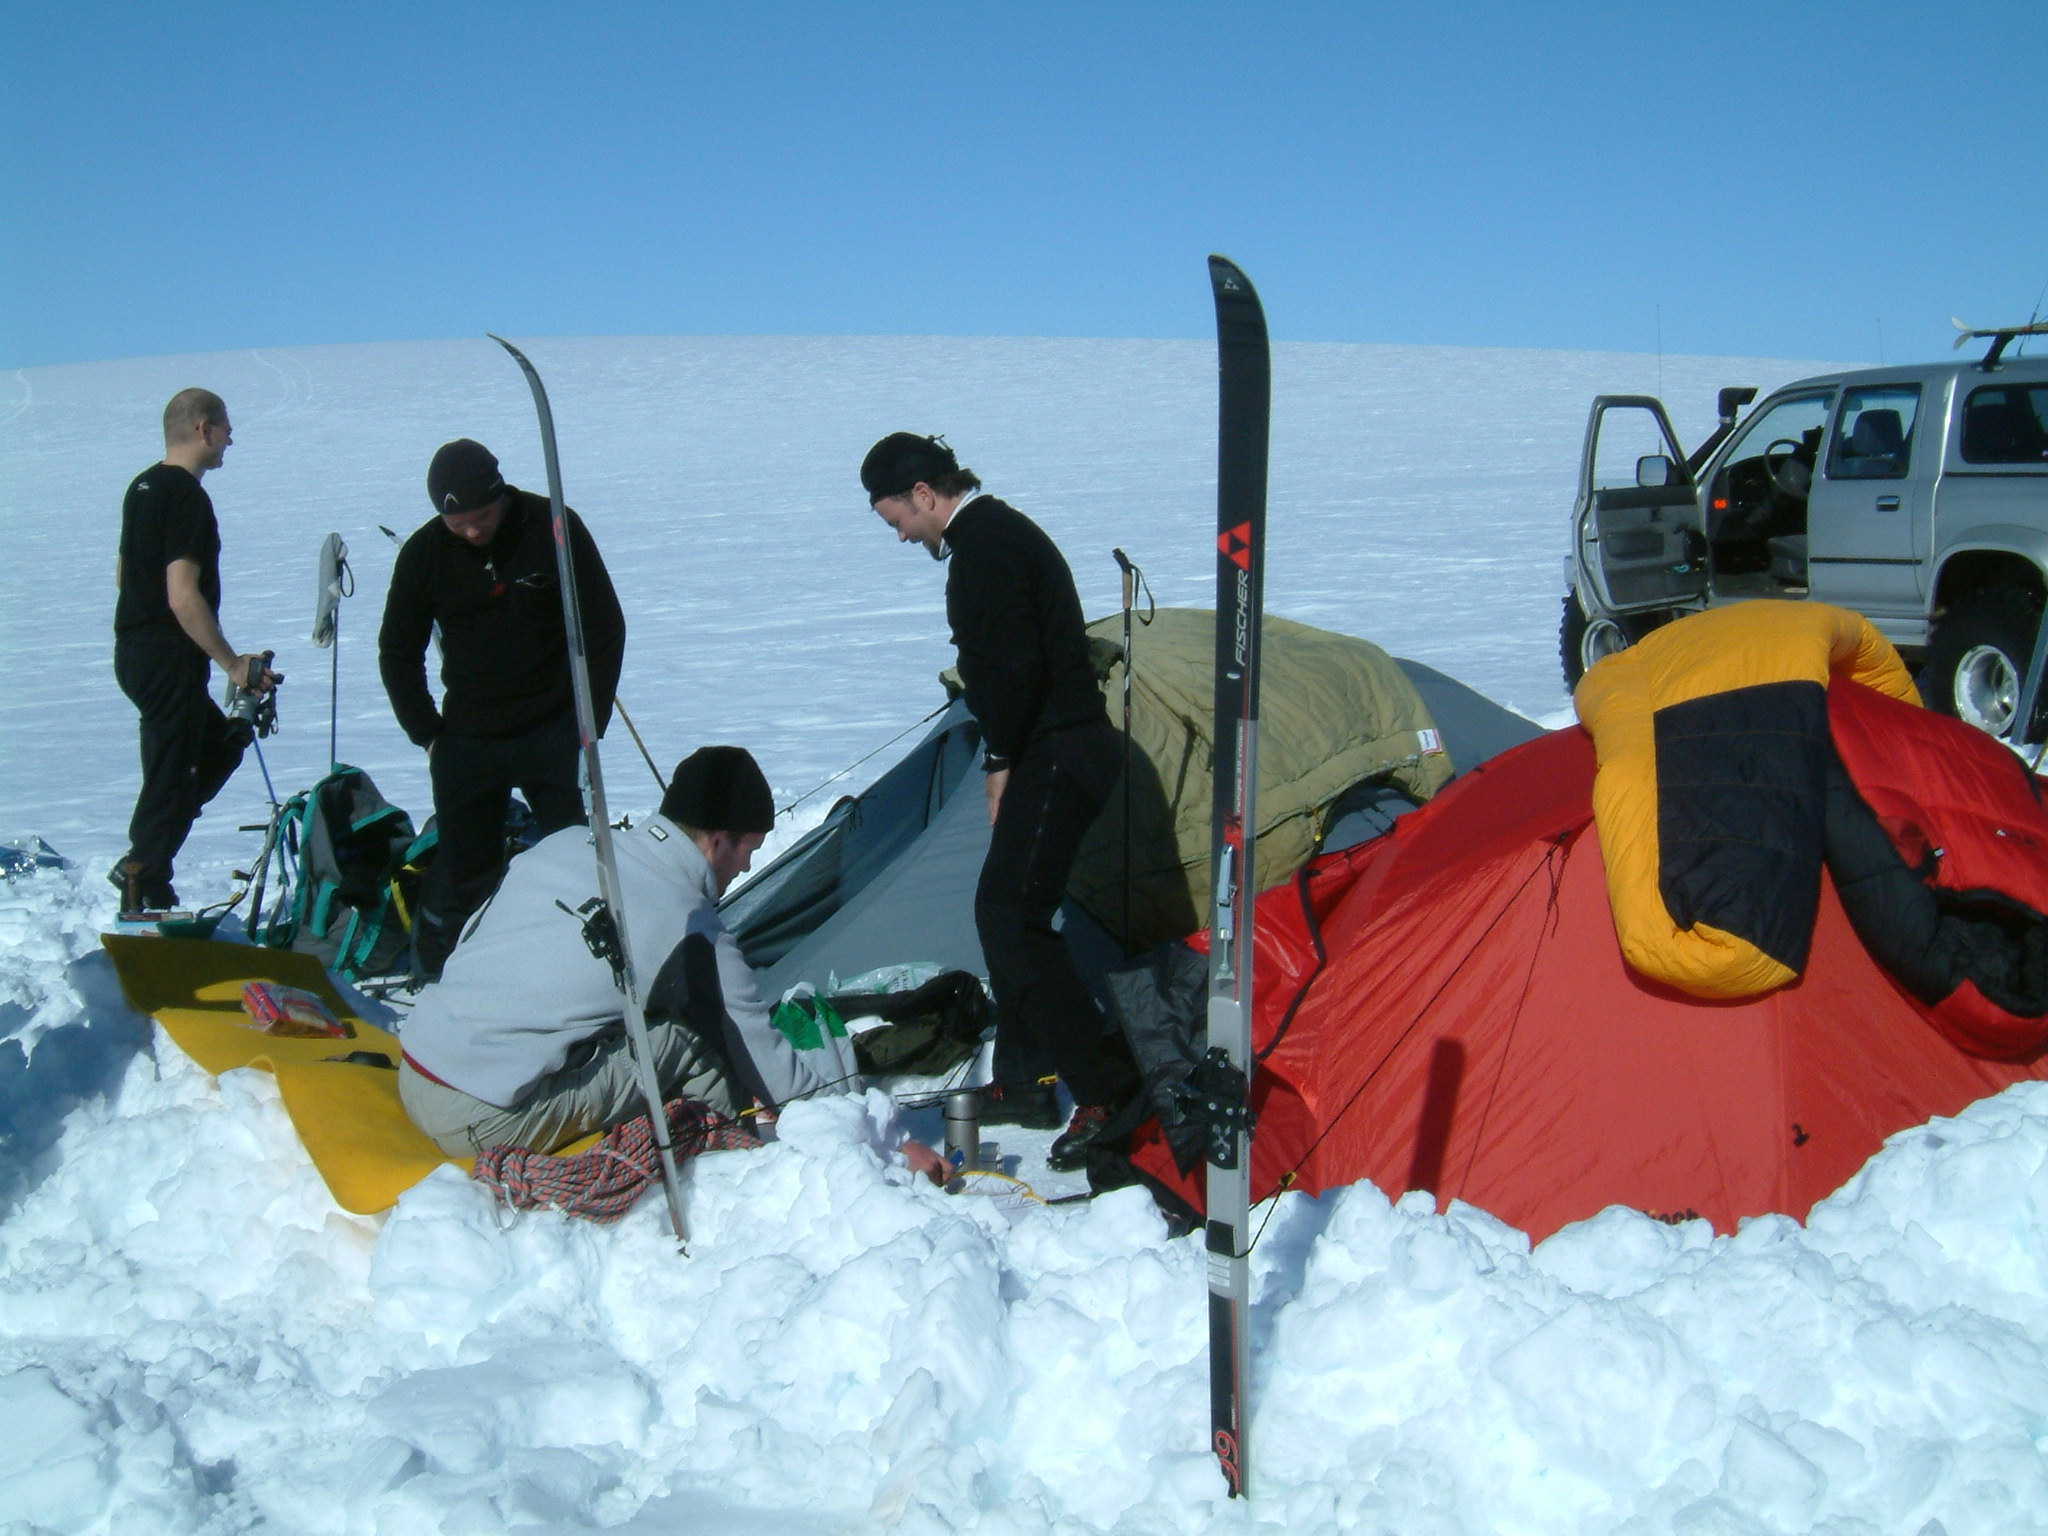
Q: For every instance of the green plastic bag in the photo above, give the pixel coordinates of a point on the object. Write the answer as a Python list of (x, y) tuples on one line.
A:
[(806, 1021)]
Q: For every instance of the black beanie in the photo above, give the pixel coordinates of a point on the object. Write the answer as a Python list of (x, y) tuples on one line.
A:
[(901, 460), (463, 477), (719, 789)]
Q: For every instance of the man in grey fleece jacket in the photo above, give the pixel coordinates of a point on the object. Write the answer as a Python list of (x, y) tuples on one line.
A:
[(522, 1042)]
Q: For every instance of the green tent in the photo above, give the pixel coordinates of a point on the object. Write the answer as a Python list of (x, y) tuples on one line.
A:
[(1334, 710)]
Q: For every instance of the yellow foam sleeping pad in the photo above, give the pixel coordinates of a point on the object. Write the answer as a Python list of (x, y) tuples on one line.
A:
[(341, 1097)]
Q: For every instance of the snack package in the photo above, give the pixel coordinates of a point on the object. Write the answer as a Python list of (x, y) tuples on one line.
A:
[(280, 1010)]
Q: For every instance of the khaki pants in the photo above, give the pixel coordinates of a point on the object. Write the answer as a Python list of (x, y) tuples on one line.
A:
[(596, 1089)]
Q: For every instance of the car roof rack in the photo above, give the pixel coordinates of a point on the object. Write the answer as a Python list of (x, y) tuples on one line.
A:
[(1999, 337)]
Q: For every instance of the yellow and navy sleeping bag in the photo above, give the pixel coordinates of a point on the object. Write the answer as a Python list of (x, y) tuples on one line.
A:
[(1743, 750), (1712, 740)]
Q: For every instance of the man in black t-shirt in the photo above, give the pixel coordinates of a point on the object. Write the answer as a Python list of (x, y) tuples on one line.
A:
[(1051, 759), (484, 570), (166, 631)]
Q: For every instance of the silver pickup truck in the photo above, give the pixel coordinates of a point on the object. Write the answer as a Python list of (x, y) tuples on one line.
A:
[(1916, 495)]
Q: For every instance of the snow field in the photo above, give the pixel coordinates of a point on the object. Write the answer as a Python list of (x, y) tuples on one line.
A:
[(194, 1339)]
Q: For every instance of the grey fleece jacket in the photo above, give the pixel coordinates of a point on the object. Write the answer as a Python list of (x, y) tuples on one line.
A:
[(522, 989)]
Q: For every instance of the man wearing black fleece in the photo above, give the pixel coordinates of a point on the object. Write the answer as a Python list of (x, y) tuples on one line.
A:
[(1052, 758), (484, 570)]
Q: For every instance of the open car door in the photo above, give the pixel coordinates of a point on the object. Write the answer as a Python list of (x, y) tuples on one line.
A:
[(1640, 544)]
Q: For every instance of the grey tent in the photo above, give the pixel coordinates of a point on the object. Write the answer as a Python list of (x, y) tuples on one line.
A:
[(888, 876), (1349, 737)]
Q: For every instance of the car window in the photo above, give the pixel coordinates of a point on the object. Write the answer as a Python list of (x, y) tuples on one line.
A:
[(1761, 486), (1797, 419), (2006, 424), (1791, 425), (1874, 434), (1628, 435)]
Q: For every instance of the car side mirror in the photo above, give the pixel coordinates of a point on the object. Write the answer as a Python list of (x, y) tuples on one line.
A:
[(1654, 469), (1733, 399)]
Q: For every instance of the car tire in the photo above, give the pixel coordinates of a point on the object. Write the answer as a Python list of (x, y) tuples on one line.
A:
[(1977, 658), (1581, 641)]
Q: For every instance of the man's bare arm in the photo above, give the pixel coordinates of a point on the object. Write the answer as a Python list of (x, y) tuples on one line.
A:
[(197, 618)]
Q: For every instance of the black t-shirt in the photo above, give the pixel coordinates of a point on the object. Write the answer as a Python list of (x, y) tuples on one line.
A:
[(166, 516)]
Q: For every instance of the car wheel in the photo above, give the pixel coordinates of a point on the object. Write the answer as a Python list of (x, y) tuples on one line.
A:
[(1977, 658), (1581, 641)]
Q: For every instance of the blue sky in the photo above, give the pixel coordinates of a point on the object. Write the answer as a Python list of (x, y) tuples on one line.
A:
[(1790, 181)]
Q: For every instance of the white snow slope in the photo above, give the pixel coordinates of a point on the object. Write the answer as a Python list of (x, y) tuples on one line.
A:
[(194, 1339)]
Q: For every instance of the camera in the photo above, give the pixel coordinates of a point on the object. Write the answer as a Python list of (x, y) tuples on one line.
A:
[(251, 712)]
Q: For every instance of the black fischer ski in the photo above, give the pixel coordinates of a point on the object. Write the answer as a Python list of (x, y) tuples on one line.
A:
[(615, 945), (1244, 391)]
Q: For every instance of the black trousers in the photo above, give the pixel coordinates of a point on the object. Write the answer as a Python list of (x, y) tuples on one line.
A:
[(473, 779), (1046, 1021), (189, 748)]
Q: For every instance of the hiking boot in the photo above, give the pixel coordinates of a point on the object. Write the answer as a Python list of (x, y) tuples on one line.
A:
[(140, 891), (1033, 1106), (1070, 1151)]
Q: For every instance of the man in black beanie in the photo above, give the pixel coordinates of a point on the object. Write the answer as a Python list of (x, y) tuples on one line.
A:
[(522, 1042), (1051, 760), (483, 569)]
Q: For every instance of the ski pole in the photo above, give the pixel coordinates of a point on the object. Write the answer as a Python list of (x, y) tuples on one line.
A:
[(269, 788), (1130, 586), (334, 697), (336, 581), (619, 705)]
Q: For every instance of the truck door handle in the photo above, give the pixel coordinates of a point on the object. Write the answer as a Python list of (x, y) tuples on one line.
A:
[(1887, 503)]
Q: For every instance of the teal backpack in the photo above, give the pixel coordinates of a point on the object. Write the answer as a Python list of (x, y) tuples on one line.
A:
[(350, 864)]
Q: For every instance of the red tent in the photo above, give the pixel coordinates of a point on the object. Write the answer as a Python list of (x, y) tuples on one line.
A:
[(1472, 1030)]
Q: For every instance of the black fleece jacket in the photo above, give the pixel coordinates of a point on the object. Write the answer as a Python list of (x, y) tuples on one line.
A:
[(504, 649), (1017, 621)]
